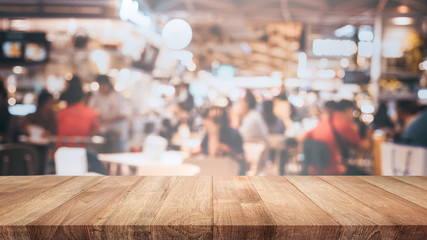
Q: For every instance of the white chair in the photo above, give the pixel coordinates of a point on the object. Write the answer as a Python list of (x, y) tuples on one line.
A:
[(71, 161), (184, 169), (254, 152)]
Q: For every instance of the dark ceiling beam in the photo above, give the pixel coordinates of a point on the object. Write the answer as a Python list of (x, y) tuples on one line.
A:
[(166, 5), (216, 4), (381, 6), (417, 5), (309, 4), (346, 5), (257, 5), (189, 5)]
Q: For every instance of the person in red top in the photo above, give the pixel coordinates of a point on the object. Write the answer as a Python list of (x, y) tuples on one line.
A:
[(77, 119), (342, 120)]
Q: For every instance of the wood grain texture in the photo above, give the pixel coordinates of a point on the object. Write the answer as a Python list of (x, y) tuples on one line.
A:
[(400, 188), (419, 181), (71, 219), (187, 210), (14, 218), (289, 207), (357, 220), (19, 192), (101, 207), (395, 209), (130, 218), (239, 211)]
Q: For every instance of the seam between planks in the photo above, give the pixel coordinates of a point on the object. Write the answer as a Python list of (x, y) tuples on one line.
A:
[(167, 192), (352, 196), (388, 217), (269, 213), (339, 224), (48, 189), (213, 208), (70, 199), (410, 202), (400, 180)]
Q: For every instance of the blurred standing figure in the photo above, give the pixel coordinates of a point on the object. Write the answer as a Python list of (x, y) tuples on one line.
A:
[(77, 119), (283, 109), (253, 126), (4, 114), (338, 132), (44, 116), (220, 139), (253, 129), (381, 118), (113, 113), (275, 125)]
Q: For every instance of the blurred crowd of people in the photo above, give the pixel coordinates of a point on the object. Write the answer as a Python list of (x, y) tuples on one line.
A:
[(327, 147)]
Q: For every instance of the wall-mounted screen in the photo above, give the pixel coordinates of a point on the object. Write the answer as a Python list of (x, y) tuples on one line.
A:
[(23, 47)]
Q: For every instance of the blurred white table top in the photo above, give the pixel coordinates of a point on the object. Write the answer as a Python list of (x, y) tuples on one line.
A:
[(137, 159)]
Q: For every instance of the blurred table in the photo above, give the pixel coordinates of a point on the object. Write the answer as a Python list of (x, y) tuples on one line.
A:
[(121, 163), (215, 166), (299, 207)]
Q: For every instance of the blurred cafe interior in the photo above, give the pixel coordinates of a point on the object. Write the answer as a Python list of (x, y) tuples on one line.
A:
[(213, 87)]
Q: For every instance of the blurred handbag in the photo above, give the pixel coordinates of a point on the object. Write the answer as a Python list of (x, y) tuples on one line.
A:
[(316, 153)]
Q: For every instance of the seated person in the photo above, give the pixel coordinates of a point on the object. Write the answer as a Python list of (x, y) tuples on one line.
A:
[(44, 117), (416, 132), (78, 120), (220, 139)]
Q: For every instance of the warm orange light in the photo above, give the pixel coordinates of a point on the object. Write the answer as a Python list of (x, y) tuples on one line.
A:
[(403, 9)]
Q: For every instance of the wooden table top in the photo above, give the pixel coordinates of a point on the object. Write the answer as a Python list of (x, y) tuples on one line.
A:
[(293, 207)]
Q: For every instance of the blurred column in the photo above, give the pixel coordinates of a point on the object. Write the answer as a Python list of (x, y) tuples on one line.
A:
[(376, 58)]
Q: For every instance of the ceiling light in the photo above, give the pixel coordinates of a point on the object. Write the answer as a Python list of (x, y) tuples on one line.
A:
[(346, 31), (422, 94), (344, 62), (177, 34), (423, 65), (403, 9), (17, 69), (334, 47), (402, 21)]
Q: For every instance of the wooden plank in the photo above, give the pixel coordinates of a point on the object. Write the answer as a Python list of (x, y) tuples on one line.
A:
[(239, 212), (289, 208), (418, 181), (70, 220), (130, 218), (402, 189), (357, 220), (187, 210), (19, 192), (411, 218), (7, 182), (14, 218)]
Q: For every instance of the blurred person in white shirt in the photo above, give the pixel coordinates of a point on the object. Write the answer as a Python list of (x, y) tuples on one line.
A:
[(253, 126), (113, 112)]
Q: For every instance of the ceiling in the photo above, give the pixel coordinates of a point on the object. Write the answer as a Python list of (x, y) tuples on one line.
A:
[(58, 8), (256, 36), (261, 36), (261, 11)]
